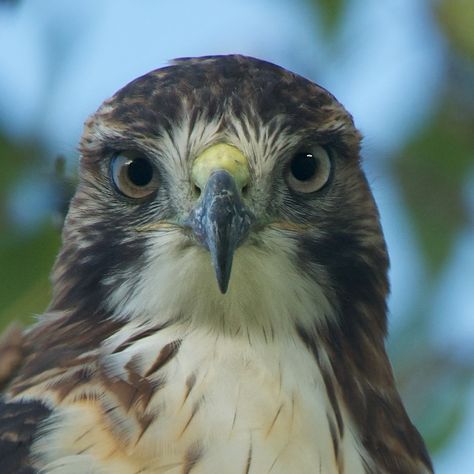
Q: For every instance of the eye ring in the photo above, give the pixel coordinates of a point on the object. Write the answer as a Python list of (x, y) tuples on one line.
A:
[(309, 171), (134, 175)]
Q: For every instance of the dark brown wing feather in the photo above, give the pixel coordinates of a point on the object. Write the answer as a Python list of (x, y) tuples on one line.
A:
[(18, 424), (18, 420)]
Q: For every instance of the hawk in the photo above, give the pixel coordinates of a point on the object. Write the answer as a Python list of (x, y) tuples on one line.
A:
[(219, 301)]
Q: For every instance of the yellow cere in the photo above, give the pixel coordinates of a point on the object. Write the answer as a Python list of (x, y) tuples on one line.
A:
[(220, 157)]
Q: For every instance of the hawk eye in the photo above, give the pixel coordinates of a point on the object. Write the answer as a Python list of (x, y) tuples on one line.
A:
[(309, 171), (134, 175)]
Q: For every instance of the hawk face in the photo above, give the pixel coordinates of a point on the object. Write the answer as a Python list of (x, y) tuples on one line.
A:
[(289, 238), (219, 300)]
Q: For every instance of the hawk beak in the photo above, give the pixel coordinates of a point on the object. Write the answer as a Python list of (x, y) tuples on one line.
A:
[(221, 221)]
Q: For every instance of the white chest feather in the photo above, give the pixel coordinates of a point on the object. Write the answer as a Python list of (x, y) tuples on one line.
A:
[(219, 405)]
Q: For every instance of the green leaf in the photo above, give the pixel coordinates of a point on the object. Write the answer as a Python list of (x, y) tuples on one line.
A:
[(331, 12), (25, 265), (431, 172), (456, 17)]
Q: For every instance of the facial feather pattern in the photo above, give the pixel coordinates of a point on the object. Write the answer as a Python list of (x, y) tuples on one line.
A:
[(143, 362)]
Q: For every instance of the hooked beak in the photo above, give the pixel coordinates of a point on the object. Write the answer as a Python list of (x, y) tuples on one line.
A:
[(221, 221)]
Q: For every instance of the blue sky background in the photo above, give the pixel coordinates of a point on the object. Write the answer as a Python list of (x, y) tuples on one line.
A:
[(60, 59)]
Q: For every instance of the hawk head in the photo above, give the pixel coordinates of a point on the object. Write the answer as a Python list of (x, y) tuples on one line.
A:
[(224, 183)]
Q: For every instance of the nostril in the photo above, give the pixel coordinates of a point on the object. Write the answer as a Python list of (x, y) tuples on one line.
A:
[(245, 189), (196, 190)]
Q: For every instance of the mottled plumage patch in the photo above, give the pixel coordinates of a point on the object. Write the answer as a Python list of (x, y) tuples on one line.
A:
[(19, 422)]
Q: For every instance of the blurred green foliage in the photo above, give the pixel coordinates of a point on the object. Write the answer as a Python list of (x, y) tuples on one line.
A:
[(431, 172), (456, 17), (330, 12), (24, 267), (25, 257)]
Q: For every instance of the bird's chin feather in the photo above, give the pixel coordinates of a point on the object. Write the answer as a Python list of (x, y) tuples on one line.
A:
[(267, 293)]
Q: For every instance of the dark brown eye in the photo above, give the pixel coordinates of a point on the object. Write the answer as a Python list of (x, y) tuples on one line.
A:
[(309, 171), (134, 175)]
